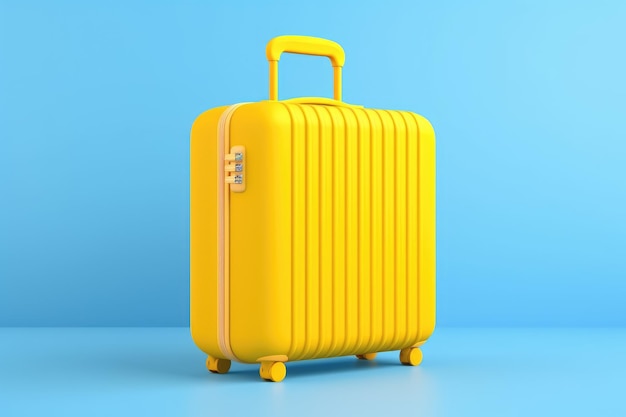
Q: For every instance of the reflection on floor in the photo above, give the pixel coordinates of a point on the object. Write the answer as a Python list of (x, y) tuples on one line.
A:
[(466, 372)]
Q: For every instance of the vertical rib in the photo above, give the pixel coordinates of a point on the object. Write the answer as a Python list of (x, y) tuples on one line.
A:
[(325, 196), (357, 234), (376, 224), (347, 194), (299, 235), (400, 230), (387, 254), (403, 187), (338, 230), (292, 166), (365, 227), (312, 229), (412, 226)]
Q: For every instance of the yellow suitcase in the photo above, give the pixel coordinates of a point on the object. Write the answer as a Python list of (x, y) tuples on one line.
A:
[(312, 227)]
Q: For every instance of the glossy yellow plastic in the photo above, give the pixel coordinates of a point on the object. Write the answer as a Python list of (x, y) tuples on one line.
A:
[(217, 366), (411, 356), (307, 45), (272, 371), (367, 356), (331, 245)]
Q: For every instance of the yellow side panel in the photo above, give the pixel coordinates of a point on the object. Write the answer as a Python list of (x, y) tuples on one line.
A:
[(261, 234), (203, 231)]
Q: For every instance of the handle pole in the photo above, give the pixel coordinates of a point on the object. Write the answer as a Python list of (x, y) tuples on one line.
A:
[(274, 80), (337, 83), (308, 46)]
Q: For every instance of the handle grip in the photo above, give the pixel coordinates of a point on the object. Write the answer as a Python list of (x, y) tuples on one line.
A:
[(306, 45)]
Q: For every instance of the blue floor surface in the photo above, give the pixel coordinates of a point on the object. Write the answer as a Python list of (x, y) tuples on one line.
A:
[(466, 372)]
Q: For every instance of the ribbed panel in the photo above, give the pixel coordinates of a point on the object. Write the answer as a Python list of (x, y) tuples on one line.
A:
[(354, 230)]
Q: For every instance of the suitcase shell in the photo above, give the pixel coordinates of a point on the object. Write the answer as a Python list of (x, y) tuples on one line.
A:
[(327, 247)]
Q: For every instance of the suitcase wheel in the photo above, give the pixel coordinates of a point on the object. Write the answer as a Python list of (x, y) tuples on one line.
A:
[(217, 366), (273, 371), (367, 356), (411, 356)]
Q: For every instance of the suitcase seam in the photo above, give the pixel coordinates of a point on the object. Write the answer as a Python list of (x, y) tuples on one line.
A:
[(223, 270)]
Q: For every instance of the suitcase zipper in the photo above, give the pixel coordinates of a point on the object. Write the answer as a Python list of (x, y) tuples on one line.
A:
[(235, 182)]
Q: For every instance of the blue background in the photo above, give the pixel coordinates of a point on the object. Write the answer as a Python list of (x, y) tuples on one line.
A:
[(528, 100)]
